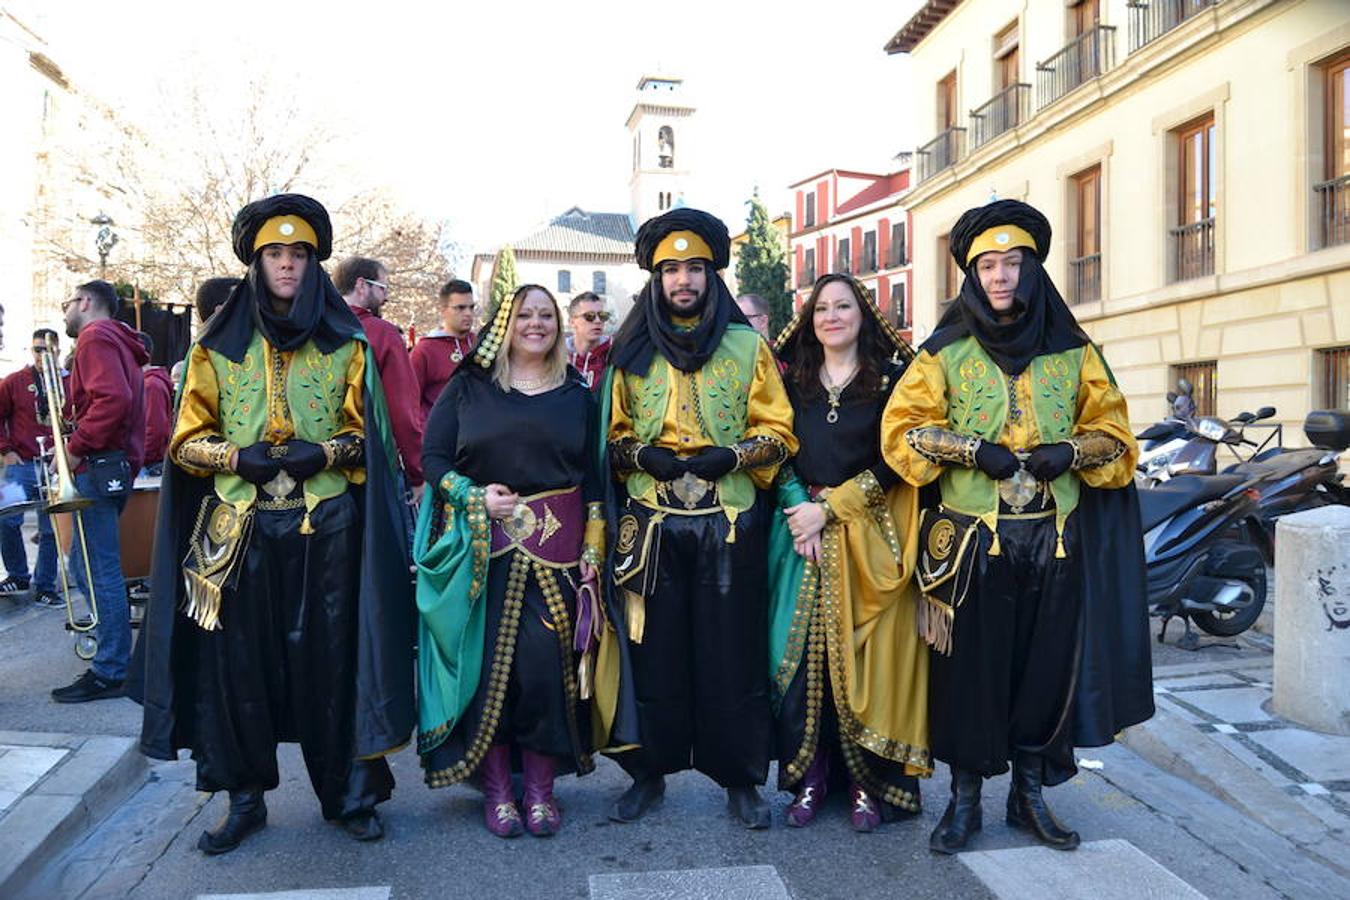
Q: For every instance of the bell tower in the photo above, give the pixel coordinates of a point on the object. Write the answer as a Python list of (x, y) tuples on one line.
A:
[(660, 131)]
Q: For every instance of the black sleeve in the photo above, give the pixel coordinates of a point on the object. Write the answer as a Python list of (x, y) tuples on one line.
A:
[(884, 474), (440, 436), (592, 487)]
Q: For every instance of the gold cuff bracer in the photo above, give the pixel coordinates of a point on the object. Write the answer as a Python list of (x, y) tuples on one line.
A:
[(623, 456), (830, 516), (758, 452), (593, 543), (1094, 449), (209, 453), (346, 452), (942, 447)]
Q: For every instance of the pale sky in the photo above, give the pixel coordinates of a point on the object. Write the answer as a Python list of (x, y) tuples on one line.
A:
[(498, 115)]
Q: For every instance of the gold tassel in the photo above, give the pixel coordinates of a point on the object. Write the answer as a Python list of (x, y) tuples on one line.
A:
[(635, 610), (585, 677), (305, 526), (936, 622), (201, 601), (731, 519), (994, 548), (1059, 547)]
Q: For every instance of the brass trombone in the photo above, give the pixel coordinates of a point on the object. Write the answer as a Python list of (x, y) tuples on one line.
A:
[(63, 502)]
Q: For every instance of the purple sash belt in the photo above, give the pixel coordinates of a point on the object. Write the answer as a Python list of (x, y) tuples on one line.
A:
[(549, 526)]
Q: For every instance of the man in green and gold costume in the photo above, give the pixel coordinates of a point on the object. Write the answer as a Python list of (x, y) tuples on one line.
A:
[(1031, 565), (281, 602), (698, 422)]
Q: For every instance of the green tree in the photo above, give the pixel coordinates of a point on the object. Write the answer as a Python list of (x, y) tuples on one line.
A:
[(762, 267), (503, 279)]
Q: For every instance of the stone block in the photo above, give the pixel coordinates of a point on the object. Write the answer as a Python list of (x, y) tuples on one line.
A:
[(1312, 632), (734, 883), (1288, 367), (1262, 336), (1103, 870), (102, 772), (1238, 305), (1305, 293), (34, 828)]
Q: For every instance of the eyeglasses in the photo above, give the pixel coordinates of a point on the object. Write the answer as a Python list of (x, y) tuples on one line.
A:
[(593, 316), (379, 284), (69, 303)]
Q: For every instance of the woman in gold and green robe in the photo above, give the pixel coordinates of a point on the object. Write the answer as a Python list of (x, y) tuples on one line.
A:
[(850, 674)]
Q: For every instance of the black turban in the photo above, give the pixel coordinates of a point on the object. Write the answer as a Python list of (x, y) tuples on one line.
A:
[(1041, 322), (648, 327), (705, 225), (252, 217), (318, 311)]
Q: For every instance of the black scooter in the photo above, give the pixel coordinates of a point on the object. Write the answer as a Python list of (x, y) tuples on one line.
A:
[(1197, 570)]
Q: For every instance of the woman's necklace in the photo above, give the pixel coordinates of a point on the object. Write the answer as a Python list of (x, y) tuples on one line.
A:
[(525, 385), (835, 390)]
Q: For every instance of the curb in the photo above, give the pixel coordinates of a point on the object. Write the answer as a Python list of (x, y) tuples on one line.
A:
[(97, 775), (1174, 745)]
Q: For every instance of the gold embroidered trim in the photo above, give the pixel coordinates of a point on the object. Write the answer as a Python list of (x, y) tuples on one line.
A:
[(623, 456), (1094, 449), (872, 490), (562, 621), (210, 453), (346, 452), (939, 446), (797, 631), (759, 451)]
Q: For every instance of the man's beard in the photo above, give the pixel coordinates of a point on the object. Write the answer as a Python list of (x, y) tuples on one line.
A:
[(687, 312), (72, 329)]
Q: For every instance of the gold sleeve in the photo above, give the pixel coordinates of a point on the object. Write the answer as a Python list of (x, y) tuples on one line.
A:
[(354, 403), (197, 439), (918, 401), (620, 422), (768, 415), (1102, 412)]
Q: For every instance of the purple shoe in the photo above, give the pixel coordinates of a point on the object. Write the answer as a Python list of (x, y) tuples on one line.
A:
[(864, 815), (500, 813), (811, 793), (543, 818)]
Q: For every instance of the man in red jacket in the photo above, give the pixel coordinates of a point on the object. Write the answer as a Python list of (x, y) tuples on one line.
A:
[(437, 355), (23, 412), (106, 450), (588, 345), (364, 284), (158, 408)]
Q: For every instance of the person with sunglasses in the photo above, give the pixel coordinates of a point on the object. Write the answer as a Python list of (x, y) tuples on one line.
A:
[(588, 345), (437, 355)]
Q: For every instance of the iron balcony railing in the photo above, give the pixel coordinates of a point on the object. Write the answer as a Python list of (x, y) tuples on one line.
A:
[(1086, 272), (1085, 58), (843, 262), (1009, 108), (1151, 19), (1333, 208), (941, 152), (868, 262), (1193, 249), (896, 255)]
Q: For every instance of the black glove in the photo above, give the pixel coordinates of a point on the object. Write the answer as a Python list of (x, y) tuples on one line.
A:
[(661, 463), (712, 463), (303, 460), (996, 460), (1049, 461), (255, 465)]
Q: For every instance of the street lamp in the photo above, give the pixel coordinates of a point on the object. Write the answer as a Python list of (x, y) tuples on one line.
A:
[(104, 240)]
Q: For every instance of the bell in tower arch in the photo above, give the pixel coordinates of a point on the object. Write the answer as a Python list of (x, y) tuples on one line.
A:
[(665, 146)]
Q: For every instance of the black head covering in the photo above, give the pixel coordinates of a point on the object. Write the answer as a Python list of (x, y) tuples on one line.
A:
[(788, 343), (648, 328), (1042, 322), (318, 311)]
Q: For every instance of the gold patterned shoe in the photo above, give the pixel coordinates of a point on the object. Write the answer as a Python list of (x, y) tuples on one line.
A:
[(502, 819), (544, 819)]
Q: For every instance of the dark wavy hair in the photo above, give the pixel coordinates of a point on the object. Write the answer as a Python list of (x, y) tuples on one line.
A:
[(873, 358)]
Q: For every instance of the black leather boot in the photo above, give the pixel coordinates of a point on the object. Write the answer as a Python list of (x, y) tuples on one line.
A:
[(1027, 809), (643, 795), (748, 807), (247, 814), (963, 816)]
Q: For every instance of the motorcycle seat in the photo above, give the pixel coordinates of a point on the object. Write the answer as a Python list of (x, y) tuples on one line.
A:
[(1160, 503), (1281, 465)]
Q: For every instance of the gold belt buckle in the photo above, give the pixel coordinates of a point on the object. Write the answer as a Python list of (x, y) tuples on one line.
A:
[(281, 485), (521, 524), (690, 490)]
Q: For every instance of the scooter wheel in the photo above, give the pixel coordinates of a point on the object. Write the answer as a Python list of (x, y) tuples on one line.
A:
[(1234, 623)]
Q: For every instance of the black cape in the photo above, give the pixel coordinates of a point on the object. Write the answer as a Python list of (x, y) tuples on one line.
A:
[(161, 674)]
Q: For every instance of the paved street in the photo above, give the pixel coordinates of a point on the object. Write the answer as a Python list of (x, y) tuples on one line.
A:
[(1143, 827)]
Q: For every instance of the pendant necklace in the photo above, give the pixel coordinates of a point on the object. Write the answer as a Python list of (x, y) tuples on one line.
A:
[(458, 355), (532, 384), (834, 391)]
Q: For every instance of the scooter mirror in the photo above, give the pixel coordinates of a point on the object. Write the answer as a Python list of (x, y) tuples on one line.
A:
[(1244, 417), (1265, 412)]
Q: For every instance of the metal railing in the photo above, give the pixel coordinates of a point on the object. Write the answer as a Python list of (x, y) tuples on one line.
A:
[(1151, 19), (896, 255), (1085, 58), (869, 261), (807, 277), (1086, 274), (1333, 211), (843, 262), (1193, 250), (941, 152), (1007, 109)]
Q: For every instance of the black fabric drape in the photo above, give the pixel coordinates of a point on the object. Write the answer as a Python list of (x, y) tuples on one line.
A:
[(169, 328)]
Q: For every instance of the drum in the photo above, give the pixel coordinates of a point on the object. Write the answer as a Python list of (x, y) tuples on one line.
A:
[(136, 530)]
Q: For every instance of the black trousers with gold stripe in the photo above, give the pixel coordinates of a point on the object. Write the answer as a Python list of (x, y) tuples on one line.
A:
[(700, 673)]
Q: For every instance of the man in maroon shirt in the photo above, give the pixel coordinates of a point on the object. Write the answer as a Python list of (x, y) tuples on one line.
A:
[(106, 450), (437, 355), (158, 408), (23, 413), (588, 345), (364, 284)]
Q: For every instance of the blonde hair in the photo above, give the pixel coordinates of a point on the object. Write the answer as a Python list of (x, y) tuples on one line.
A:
[(555, 363)]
